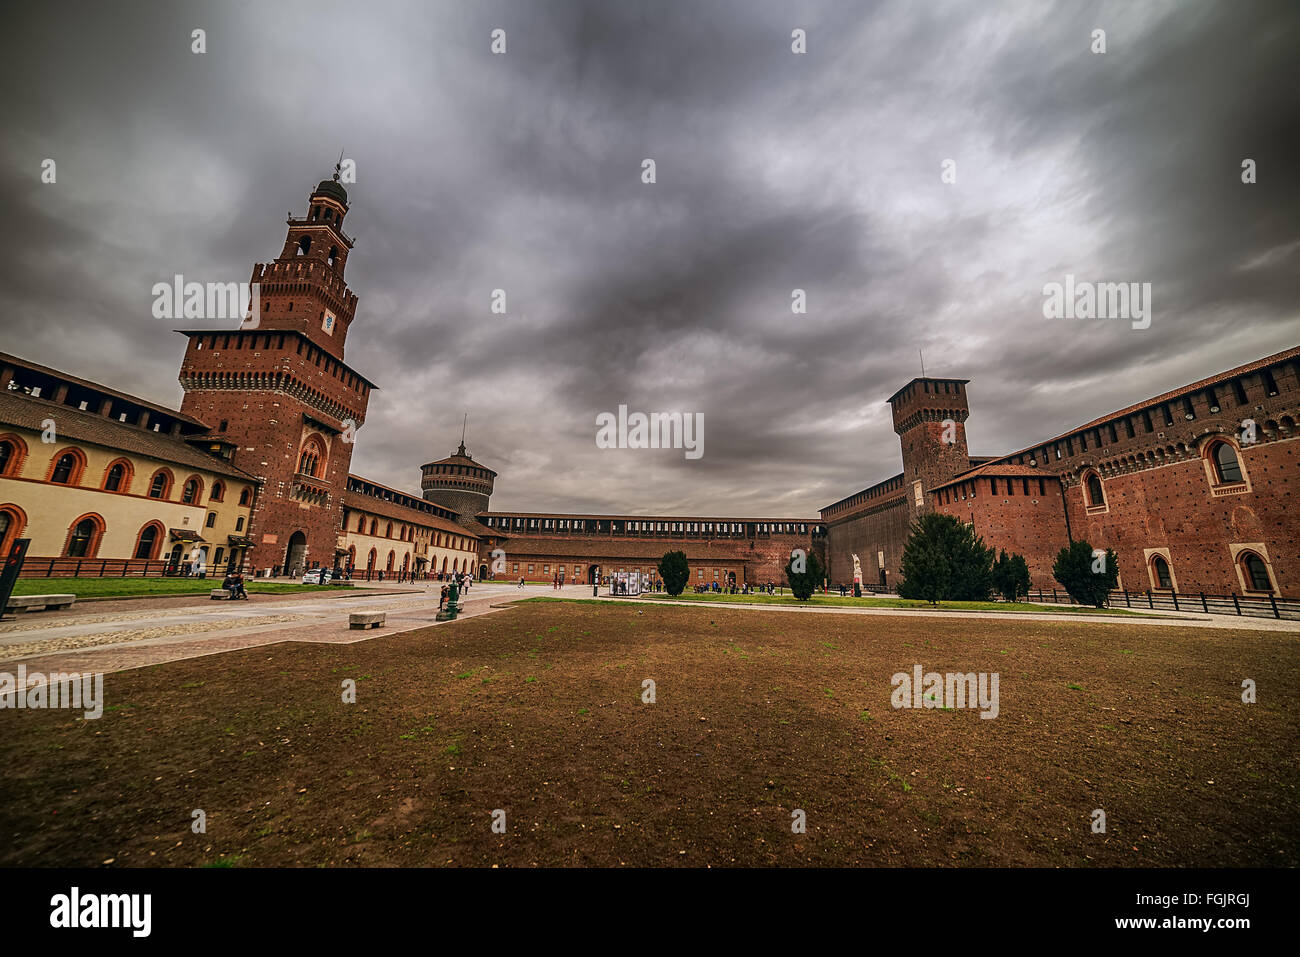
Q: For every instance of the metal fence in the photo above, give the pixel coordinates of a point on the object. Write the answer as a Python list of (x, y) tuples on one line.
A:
[(106, 568), (1253, 606)]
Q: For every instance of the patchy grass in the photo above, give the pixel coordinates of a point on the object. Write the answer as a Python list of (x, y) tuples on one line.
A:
[(887, 602), (289, 775), (133, 587)]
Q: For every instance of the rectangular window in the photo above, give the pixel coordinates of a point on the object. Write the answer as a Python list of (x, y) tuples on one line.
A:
[(1270, 385), (1240, 391)]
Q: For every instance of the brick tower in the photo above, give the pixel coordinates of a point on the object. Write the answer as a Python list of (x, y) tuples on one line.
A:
[(930, 419), (459, 483), (277, 395)]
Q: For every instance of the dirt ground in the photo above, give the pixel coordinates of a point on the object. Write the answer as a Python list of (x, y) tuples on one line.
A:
[(537, 711)]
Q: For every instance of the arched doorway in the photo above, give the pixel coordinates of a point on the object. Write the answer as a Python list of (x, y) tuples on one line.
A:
[(295, 554), (593, 575), (482, 573)]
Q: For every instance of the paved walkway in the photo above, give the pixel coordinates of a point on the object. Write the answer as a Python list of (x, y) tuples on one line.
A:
[(86, 641), (105, 643)]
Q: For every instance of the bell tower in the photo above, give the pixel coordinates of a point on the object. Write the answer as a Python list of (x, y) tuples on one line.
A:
[(277, 397), (303, 289)]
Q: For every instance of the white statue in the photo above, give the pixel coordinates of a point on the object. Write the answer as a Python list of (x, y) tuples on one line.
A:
[(857, 571)]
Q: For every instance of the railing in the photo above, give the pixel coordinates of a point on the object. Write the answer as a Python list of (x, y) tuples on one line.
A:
[(1251, 606), (108, 568)]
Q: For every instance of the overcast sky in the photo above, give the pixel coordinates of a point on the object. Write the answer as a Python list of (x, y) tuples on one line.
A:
[(775, 171)]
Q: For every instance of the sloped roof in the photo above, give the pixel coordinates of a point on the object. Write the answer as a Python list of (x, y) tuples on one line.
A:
[(75, 425)]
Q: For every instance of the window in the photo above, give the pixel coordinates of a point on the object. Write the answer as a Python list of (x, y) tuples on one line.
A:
[(212, 520), (64, 469), (218, 492), (304, 245), (7, 455), (190, 493), (113, 482), (245, 496), (83, 539), (1160, 568), (159, 485), (1095, 495), (1256, 572), (146, 546), (1227, 467), (239, 524)]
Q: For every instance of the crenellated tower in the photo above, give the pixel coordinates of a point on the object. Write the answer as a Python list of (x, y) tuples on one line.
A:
[(280, 401), (930, 419)]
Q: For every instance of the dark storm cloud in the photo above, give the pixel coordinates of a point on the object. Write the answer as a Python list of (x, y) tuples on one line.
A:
[(775, 171)]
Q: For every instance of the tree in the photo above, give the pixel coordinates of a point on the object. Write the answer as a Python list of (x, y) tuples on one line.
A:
[(675, 572), (1089, 578), (803, 583), (1011, 576), (944, 560)]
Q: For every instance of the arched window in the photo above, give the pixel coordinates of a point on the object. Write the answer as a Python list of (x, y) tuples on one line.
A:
[(245, 496), (7, 454), (304, 245), (212, 520), (1227, 467), (160, 484), (370, 560), (334, 255), (1256, 572), (1095, 494), (67, 469), (113, 482), (388, 531), (12, 521), (373, 526), (218, 492), (390, 562), (1160, 568), (192, 490), (83, 538), (146, 545), (312, 457)]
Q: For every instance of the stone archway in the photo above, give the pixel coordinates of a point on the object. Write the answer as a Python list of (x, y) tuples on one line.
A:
[(593, 575), (295, 554)]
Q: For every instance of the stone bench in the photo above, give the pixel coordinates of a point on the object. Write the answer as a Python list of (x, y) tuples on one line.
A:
[(366, 619), (218, 593), (21, 603)]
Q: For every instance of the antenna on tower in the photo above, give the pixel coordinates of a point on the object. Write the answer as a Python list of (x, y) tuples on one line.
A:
[(922, 355), (463, 426), (338, 167)]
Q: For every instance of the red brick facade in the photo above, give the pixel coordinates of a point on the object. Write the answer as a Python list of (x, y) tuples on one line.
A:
[(1203, 477), (278, 391)]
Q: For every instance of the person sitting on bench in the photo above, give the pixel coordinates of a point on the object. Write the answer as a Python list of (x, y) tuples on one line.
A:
[(234, 583)]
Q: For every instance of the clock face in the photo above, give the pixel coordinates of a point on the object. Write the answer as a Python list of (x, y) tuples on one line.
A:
[(327, 323)]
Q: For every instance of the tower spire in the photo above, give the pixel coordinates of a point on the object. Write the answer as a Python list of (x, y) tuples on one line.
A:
[(338, 167), (463, 426)]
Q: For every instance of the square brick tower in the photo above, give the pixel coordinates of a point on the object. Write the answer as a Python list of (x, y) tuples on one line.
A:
[(930, 419), (277, 392)]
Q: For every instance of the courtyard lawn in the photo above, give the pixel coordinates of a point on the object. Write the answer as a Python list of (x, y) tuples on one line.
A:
[(131, 587), (890, 602), (537, 711)]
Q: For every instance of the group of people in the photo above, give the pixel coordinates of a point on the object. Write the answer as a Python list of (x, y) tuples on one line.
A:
[(234, 584)]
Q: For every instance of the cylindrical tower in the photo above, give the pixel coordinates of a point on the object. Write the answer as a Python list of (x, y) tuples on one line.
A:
[(458, 483)]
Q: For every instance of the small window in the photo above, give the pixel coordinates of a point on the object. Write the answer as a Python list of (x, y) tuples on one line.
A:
[(1227, 467), (304, 246), (239, 524), (80, 543), (63, 469), (1161, 568), (115, 475), (190, 493), (1095, 494), (218, 492), (245, 496), (158, 487), (212, 520), (1256, 572)]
